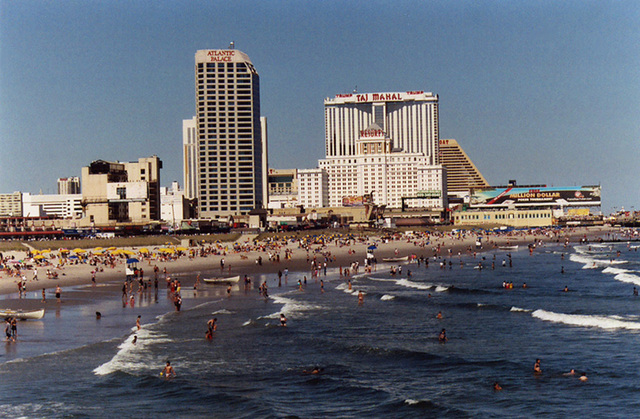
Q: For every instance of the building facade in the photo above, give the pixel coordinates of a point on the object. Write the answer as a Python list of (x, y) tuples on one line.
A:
[(69, 185), (390, 177), (67, 206), (231, 144), (409, 118), (11, 204), (518, 218), (174, 205), (313, 188), (283, 188), (116, 192), (190, 157)]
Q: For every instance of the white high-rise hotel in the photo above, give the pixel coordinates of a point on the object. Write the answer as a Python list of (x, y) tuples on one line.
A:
[(231, 138), (384, 145)]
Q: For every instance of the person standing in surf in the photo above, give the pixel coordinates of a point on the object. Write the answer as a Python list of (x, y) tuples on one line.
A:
[(168, 371)]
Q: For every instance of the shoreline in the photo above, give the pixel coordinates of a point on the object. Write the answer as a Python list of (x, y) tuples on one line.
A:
[(242, 263)]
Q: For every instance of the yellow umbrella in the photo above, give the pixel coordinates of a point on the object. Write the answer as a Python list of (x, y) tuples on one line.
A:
[(45, 251), (128, 252), (36, 252), (117, 252), (78, 250), (97, 249), (144, 250), (182, 249), (63, 250), (166, 250), (111, 249), (38, 257)]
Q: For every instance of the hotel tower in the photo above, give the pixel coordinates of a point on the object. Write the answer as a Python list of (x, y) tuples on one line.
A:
[(384, 146), (231, 144)]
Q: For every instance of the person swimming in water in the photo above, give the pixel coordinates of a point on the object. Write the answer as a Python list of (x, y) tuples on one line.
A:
[(283, 320), (536, 367), (496, 386), (315, 370), (443, 336)]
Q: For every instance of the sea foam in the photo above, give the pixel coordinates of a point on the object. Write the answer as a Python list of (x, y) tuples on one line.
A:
[(132, 357), (582, 320)]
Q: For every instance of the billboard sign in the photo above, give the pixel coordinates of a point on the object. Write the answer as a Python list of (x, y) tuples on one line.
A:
[(526, 196), (356, 201)]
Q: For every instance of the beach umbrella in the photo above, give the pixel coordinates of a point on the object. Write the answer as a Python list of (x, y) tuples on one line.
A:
[(38, 257), (45, 251), (144, 250), (128, 252), (36, 252), (372, 247), (63, 250), (181, 249), (112, 248), (132, 260), (98, 249), (73, 257), (78, 250)]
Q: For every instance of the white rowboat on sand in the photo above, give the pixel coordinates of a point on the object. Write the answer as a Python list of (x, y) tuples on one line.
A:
[(231, 279), (23, 315)]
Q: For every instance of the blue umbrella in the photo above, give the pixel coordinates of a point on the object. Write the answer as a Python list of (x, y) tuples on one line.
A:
[(372, 247), (132, 260), (73, 257)]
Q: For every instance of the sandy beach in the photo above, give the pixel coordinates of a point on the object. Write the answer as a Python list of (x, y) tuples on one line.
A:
[(338, 252)]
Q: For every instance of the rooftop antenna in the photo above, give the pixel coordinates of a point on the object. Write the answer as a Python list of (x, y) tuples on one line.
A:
[(232, 45)]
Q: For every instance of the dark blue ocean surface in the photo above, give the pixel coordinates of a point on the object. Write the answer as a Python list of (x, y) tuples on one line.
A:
[(381, 358)]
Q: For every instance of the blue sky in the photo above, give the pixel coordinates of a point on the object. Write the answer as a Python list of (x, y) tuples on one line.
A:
[(544, 92)]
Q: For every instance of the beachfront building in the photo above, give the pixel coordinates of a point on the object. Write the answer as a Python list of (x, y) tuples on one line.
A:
[(11, 204), (462, 174), (518, 218), (69, 185), (190, 157), (231, 141), (174, 205), (313, 188), (115, 192), (383, 146), (282, 185), (66, 206)]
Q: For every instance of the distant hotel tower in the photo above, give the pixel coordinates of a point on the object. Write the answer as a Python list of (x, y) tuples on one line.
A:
[(68, 185), (231, 144), (190, 157), (384, 146)]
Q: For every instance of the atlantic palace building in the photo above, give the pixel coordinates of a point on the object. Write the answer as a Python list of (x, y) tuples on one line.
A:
[(231, 144)]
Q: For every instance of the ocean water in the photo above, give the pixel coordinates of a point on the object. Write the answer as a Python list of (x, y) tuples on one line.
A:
[(381, 358)]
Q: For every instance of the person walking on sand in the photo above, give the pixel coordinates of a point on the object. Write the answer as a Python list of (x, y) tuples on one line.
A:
[(58, 293)]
